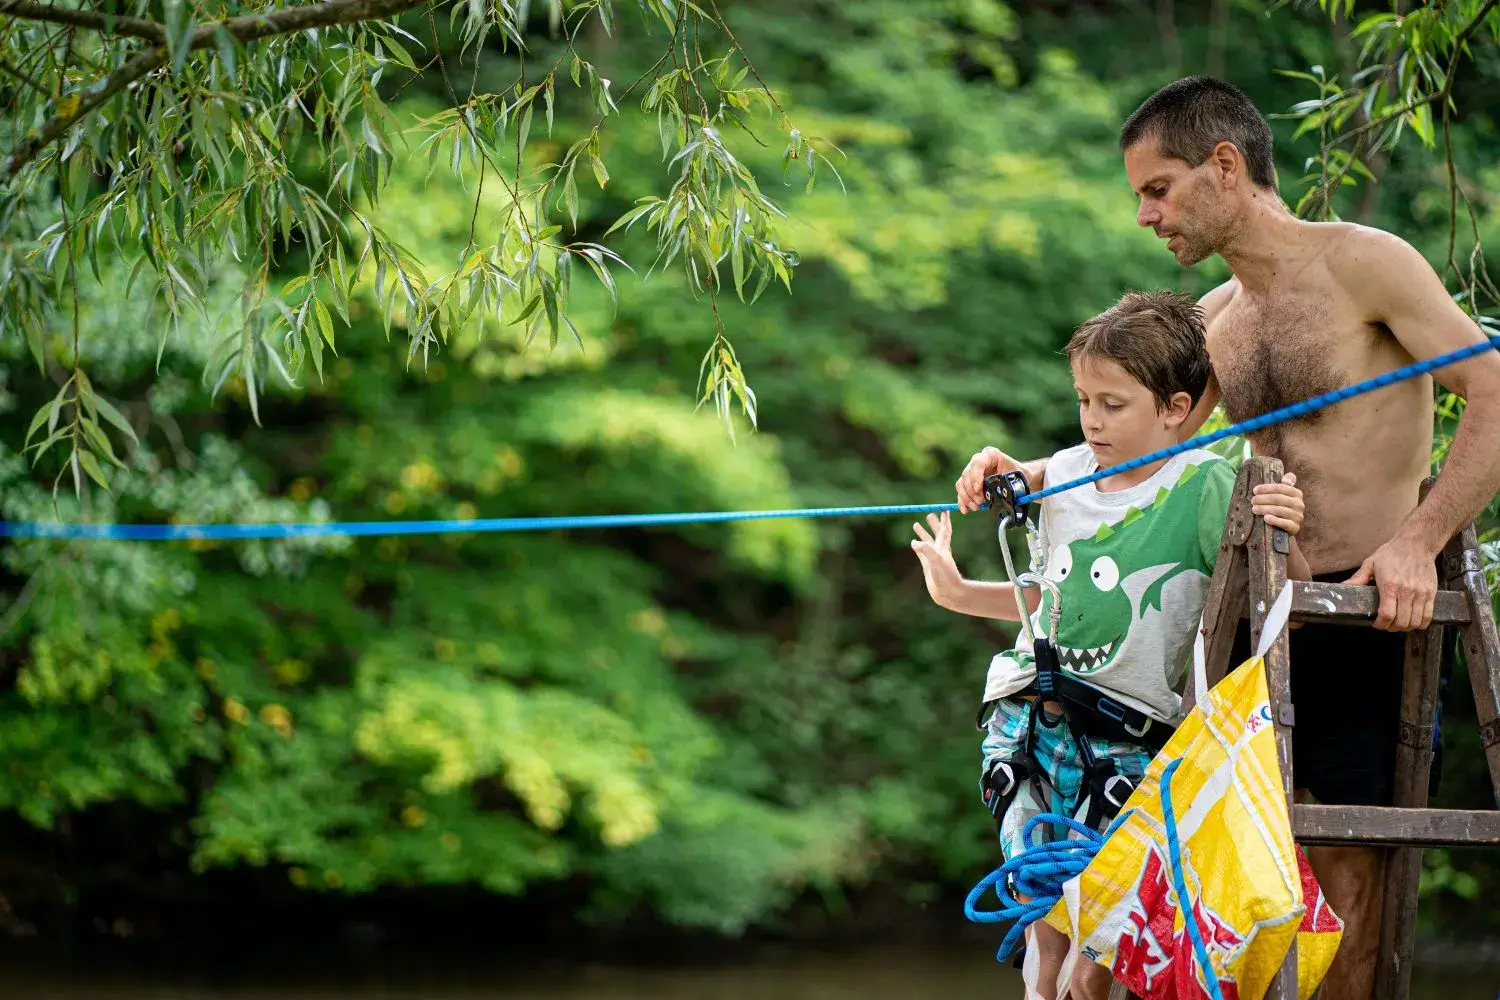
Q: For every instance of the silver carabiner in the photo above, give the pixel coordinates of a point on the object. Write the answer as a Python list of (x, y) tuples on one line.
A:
[(1023, 581)]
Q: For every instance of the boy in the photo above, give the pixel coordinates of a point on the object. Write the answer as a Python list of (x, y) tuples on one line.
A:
[(1131, 556)]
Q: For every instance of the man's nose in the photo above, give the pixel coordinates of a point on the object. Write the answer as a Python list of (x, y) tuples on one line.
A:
[(1147, 216)]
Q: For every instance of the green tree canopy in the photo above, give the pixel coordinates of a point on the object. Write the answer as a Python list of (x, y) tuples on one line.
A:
[(702, 722)]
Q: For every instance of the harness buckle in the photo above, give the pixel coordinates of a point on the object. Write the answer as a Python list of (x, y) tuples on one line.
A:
[(1108, 707)]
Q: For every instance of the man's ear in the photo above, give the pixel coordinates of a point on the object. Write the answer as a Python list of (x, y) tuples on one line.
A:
[(1228, 164)]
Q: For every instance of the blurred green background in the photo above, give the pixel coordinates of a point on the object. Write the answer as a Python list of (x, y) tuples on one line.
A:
[(707, 730)]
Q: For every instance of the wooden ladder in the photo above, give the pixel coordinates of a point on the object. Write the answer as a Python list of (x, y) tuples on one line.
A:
[(1249, 574)]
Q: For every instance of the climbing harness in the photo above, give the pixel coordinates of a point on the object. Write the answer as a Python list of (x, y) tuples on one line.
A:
[(1087, 712)]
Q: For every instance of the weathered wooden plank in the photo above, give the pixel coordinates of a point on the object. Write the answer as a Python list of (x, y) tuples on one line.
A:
[(1419, 692), (1266, 552), (1482, 653), (1322, 824), (1352, 604), (1224, 602)]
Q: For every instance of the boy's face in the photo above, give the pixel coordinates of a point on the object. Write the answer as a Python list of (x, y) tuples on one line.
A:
[(1120, 418)]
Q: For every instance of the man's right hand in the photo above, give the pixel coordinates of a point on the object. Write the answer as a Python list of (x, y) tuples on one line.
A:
[(985, 463)]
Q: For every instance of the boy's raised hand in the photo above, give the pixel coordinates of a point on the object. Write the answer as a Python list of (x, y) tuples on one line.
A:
[(1279, 503), (936, 554)]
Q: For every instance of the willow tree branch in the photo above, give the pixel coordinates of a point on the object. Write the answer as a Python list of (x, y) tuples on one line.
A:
[(246, 28), (1446, 98), (7, 68), (96, 94), (1444, 94), (136, 27)]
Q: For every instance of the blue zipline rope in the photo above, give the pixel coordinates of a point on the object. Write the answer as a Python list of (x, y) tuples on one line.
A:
[(1282, 415), (171, 532)]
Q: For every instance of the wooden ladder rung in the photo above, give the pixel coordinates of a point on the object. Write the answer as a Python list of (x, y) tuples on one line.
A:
[(1394, 826), (1352, 604)]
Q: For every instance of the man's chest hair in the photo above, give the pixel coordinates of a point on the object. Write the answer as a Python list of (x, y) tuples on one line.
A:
[(1269, 355)]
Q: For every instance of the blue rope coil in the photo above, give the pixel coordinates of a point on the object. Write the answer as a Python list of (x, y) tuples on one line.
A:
[(1039, 872), (176, 532), (1041, 869)]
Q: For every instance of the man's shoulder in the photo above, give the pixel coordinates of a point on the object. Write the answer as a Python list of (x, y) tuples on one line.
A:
[(1214, 301), (1363, 257)]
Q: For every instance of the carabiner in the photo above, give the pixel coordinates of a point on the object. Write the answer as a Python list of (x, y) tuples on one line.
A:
[(1023, 581), (1002, 492)]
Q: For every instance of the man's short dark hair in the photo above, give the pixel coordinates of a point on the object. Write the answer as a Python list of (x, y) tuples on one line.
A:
[(1157, 337), (1191, 116)]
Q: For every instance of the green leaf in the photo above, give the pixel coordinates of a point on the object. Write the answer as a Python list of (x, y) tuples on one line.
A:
[(108, 412), (325, 321), (525, 128), (1421, 123), (224, 42), (401, 55), (91, 466), (43, 415), (570, 197), (179, 28), (35, 340)]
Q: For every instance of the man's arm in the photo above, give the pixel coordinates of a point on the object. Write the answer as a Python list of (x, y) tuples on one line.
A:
[(1400, 289)]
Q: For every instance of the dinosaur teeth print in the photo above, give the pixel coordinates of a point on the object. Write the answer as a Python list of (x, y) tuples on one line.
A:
[(1085, 660)]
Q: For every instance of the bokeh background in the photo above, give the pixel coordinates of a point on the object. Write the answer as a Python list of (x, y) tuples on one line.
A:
[(734, 759)]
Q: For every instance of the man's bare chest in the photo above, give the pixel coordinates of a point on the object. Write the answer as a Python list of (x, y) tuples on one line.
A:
[(1269, 356)]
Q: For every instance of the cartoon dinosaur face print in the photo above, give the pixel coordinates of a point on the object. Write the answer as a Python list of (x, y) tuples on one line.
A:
[(1096, 610), (1109, 581)]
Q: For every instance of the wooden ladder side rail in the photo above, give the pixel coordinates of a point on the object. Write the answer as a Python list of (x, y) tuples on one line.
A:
[(1414, 737), (1226, 602), (1248, 575), (1266, 552), (1245, 582)]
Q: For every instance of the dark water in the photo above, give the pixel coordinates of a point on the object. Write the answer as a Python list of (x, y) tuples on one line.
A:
[(883, 974)]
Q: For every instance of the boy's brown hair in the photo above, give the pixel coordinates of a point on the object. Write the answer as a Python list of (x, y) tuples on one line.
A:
[(1157, 337)]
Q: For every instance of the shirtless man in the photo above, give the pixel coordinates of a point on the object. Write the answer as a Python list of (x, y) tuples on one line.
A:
[(1313, 307)]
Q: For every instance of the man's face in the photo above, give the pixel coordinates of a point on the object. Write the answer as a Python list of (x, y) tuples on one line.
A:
[(1181, 204)]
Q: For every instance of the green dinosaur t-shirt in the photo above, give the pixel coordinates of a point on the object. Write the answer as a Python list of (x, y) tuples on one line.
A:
[(1132, 567)]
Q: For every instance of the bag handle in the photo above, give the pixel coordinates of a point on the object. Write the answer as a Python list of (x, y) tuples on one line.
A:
[(1276, 619)]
